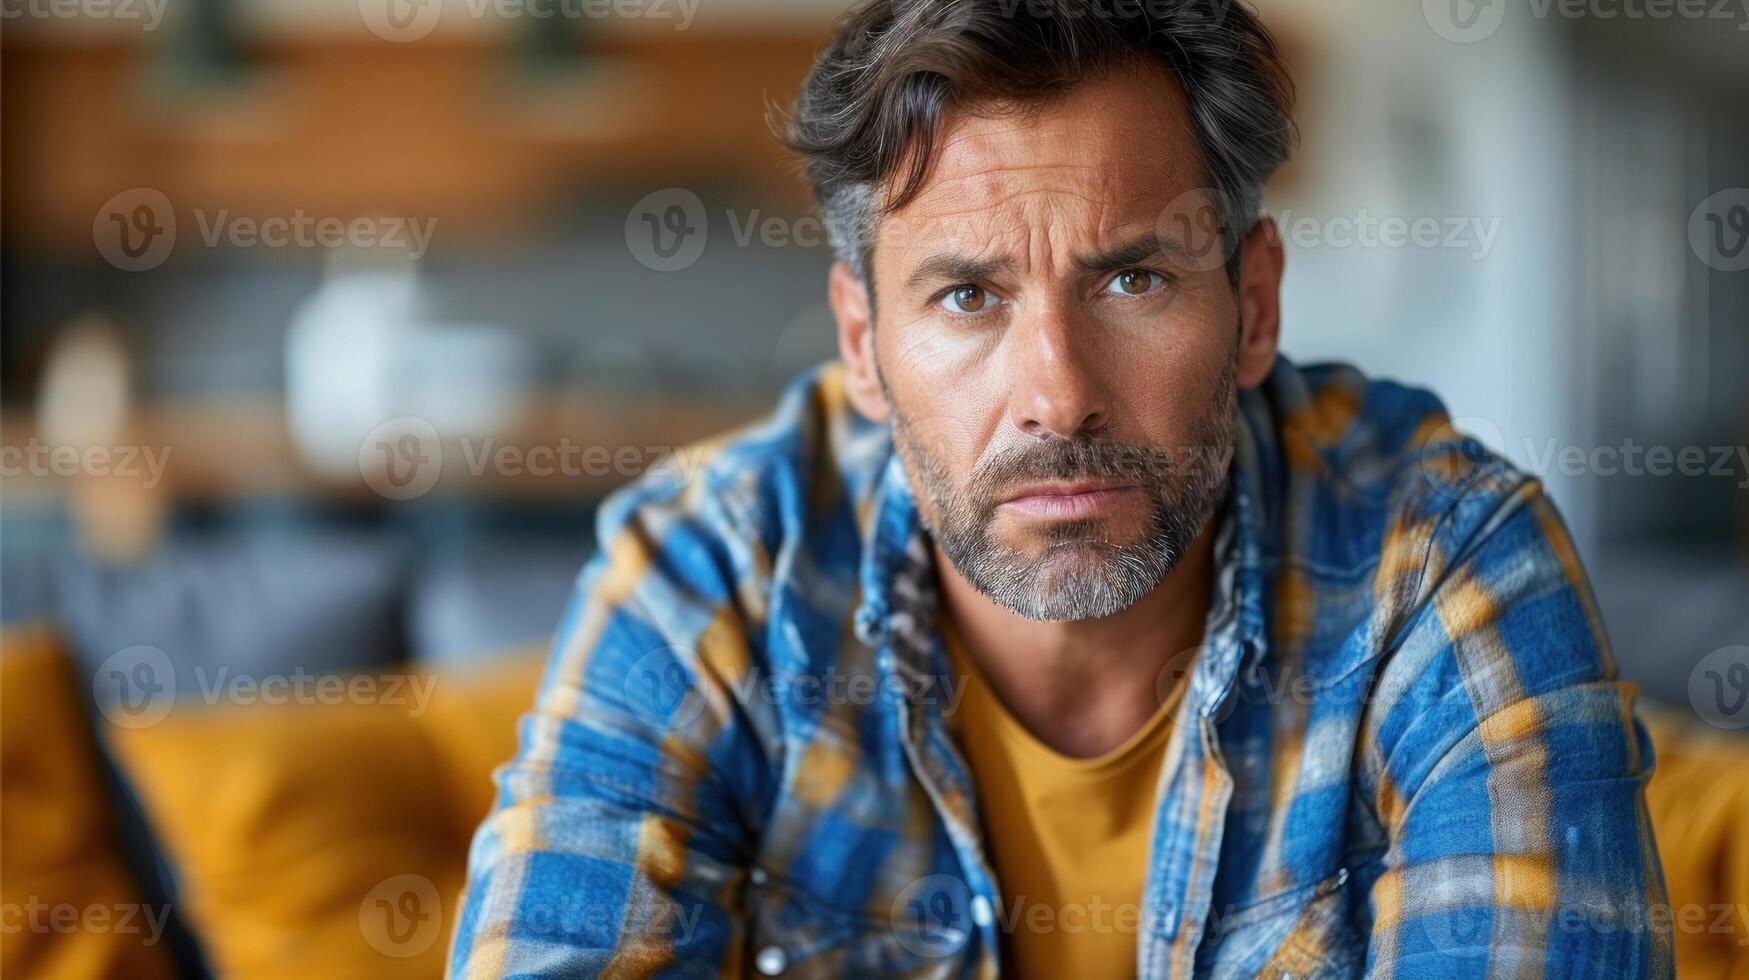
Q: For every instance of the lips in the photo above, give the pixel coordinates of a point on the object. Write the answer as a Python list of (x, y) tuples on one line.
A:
[(1068, 501)]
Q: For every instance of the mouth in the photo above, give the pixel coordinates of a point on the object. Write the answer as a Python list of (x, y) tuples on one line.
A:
[(1077, 500)]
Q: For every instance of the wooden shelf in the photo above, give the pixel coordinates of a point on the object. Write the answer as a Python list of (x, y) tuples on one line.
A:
[(347, 127)]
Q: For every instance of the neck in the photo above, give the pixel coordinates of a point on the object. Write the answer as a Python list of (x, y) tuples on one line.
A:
[(1084, 687)]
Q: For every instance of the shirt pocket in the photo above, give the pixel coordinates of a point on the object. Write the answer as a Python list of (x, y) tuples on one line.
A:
[(792, 933), (1302, 933)]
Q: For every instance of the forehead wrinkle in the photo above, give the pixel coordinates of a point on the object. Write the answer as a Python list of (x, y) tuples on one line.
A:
[(999, 182), (985, 231)]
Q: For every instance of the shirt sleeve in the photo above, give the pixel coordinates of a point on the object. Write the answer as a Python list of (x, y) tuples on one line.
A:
[(1507, 768), (621, 832)]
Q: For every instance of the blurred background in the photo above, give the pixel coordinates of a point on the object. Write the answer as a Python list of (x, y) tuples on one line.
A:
[(326, 323)]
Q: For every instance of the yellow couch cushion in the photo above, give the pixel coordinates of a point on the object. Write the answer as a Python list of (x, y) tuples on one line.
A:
[(70, 905), (1699, 804), (328, 839), (284, 822)]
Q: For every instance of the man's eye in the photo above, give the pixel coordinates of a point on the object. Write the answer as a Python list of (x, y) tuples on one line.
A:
[(966, 299), (1135, 282)]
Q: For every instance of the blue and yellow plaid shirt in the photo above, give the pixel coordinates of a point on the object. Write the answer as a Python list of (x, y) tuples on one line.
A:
[(1402, 748)]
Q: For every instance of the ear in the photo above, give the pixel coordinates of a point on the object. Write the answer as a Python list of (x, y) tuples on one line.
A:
[(850, 306), (1260, 266)]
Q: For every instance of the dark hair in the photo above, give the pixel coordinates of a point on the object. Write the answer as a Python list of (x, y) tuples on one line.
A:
[(874, 96)]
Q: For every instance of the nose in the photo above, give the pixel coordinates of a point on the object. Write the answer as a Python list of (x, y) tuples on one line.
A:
[(1056, 388)]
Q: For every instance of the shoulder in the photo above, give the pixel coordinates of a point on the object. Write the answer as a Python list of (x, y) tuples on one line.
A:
[(1360, 461), (1400, 524), (1381, 513)]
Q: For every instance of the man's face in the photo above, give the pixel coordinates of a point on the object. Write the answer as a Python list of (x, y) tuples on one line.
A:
[(1057, 359)]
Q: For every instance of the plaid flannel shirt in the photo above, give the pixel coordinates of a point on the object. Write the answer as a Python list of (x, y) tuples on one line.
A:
[(1402, 749)]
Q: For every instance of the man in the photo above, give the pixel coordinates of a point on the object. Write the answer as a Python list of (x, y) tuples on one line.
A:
[(1065, 626)]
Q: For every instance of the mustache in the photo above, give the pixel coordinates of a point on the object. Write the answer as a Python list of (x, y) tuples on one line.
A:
[(1071, 458)]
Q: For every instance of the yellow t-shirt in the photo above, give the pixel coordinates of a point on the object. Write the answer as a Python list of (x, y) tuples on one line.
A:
[(1068, 837)]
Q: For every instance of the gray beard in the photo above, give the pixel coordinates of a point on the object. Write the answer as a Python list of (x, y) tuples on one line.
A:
[(1081, 574)]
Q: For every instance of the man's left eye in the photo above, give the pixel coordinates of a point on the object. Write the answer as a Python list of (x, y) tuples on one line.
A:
[(1135, 282)]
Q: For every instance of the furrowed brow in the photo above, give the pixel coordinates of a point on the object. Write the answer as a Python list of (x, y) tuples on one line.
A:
[(948, 267), (1133, 252)]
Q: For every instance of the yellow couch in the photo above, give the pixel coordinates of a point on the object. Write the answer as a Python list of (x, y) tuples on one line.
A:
[(320, 838), (329, 839)]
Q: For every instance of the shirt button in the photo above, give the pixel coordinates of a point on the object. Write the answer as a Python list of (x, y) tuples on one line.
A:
[(758, 876), (771, 961), (981, 913)]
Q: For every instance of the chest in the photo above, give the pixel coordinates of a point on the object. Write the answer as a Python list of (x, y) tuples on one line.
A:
[(878, 855)]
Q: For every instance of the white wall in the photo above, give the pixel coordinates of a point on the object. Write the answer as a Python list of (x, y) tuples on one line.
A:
[(1400, 121)]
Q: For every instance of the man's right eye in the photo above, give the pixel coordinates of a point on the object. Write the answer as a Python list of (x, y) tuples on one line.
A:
[(965, 300)]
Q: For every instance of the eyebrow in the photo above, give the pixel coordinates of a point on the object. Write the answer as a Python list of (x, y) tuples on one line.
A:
[(950, 267), (1133, 252)]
